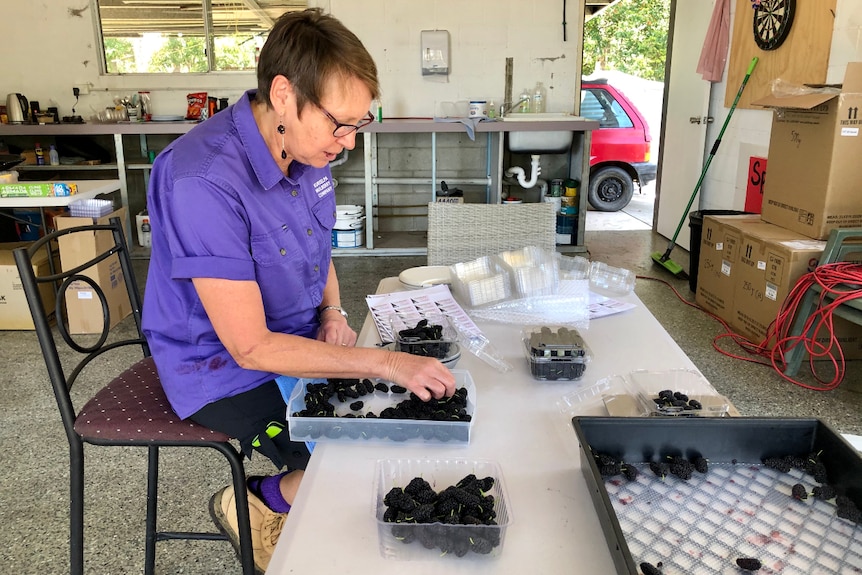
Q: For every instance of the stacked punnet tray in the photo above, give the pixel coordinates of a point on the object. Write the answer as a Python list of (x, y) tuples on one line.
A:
[(745, 506)]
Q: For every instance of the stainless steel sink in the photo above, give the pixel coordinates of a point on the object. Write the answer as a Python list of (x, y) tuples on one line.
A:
[(540, 142)]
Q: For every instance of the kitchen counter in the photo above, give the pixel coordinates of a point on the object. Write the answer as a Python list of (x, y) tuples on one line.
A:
[(132, 141), (394, 125)]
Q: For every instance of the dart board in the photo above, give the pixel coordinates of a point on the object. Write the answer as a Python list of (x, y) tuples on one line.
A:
[(772, 22)]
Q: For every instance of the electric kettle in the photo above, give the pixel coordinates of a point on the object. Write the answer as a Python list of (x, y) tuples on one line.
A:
[(17, 108)]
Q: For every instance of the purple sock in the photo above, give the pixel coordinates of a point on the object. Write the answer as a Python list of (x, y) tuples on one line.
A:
[(269, 491)]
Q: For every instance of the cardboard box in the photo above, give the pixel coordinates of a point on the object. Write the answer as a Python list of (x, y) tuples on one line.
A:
[(38, 189), (771, 261), (814, 152), (83, 306), (14, 310), (719, 245)]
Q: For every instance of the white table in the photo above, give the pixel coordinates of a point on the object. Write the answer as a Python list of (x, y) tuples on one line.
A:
[(554, 529)]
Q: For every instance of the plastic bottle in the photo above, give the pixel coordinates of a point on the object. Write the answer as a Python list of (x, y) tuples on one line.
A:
[(539, 98), (146, 237), (145, 113), (40, 154), (492, 109), (53, 156), (525, 100), (618, 281)]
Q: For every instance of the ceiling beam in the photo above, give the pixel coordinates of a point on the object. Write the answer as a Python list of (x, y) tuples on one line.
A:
[(254, 7)]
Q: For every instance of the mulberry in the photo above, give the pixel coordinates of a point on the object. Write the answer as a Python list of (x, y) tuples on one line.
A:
[(701, 465), (777, 463), (818, 471), (681, 467), (649, 569), (749, 563), (799, 492), (417, 485), (851, 513), (380, 386), (823, 492), (630, 472), (847, 509), (660, 468)]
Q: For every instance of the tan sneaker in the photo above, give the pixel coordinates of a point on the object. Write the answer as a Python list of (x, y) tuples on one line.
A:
[(266, 524)]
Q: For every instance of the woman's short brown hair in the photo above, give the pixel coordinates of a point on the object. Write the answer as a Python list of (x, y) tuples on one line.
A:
[(308, 48)]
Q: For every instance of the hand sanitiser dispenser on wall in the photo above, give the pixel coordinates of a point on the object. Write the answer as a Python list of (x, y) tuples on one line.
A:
[(435, 53)]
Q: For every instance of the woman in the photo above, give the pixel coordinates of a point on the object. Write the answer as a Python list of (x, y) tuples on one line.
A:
[(241, 286)]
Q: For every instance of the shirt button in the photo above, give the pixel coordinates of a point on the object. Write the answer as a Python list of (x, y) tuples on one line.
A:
[(317, 268), (284, 227), (282, 251), (308, 231), (294, 193)]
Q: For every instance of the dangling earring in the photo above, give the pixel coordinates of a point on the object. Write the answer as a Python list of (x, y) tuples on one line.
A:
[(281, 131)]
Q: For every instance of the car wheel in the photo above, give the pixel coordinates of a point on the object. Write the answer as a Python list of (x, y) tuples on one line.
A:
[(611, 189)]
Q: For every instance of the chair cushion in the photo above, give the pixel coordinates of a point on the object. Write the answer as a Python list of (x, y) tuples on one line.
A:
[(133, 407)]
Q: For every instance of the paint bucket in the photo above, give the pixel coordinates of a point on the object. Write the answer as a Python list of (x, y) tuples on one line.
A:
[(569, 206), (556, 200), (349, 228), (556, 187)]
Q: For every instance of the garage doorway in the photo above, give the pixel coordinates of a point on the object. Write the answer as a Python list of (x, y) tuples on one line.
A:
[(660, 203)]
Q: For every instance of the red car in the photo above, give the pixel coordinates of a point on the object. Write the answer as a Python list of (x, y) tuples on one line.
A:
[(620, 150)]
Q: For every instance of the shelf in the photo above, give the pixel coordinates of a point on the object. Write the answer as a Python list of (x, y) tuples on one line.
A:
[(377, 243), (65, 167)]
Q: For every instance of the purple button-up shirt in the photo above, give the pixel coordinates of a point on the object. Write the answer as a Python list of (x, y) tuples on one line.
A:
[(220, 207)]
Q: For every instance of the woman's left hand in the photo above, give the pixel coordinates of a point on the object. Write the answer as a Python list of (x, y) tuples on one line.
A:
[(334, 330)]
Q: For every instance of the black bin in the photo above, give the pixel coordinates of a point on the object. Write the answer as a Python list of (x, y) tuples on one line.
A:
[(695, 223)]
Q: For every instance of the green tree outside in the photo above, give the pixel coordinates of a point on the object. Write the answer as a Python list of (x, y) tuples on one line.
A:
[(629, 36), (180, 54), (119, 56)]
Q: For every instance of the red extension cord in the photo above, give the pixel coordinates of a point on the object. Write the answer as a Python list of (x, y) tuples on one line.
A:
[(843, 280)]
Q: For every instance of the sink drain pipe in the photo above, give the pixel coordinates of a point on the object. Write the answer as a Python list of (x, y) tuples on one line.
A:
[(518, 171)]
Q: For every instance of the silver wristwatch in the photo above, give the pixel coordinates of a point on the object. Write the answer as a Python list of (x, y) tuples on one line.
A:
[(337, 308)]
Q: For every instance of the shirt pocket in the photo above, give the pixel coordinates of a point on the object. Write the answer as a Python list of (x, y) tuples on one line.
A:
[(277, 247), (324, 213), (281, 271)]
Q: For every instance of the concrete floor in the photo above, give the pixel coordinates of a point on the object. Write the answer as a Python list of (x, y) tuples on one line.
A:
[(33, 474)]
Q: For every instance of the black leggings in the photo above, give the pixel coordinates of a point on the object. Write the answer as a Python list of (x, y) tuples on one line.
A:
[(246, 418)]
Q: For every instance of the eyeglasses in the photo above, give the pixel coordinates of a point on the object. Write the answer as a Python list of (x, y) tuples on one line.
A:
[(342, 130)]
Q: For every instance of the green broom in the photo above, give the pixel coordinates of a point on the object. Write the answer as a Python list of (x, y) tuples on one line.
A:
[(664, 259)]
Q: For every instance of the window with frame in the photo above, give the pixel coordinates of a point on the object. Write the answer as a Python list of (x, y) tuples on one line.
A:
[(185, 36)]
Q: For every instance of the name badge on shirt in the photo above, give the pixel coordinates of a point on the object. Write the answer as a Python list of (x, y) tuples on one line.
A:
[(323, 186)]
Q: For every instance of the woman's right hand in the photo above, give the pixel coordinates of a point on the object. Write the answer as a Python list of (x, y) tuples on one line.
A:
[(426, 377)]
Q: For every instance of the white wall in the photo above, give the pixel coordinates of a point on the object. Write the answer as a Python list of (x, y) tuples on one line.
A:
[(748, 131), (50, 45)]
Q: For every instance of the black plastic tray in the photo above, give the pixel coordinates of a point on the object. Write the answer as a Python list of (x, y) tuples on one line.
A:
[(732, 445)]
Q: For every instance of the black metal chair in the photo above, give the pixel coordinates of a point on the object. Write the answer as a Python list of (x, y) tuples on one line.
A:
[(131, 409)]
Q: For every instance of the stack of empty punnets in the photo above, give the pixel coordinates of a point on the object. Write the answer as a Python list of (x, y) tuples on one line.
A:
[(520, 286)]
